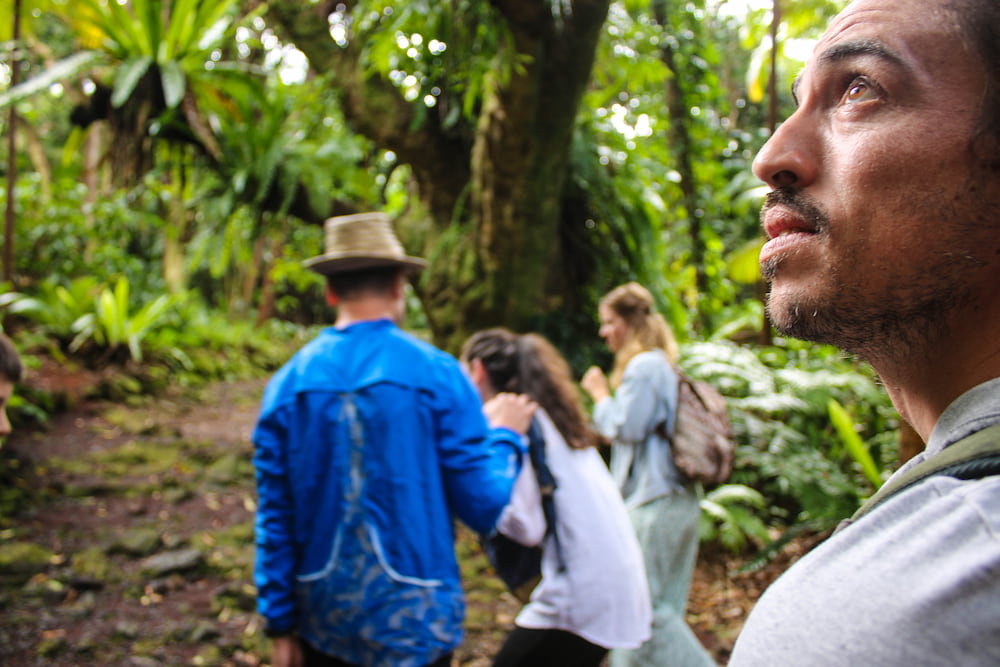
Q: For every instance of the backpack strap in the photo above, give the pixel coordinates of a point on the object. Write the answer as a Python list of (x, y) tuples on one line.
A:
[(546, 484), (972, 457)]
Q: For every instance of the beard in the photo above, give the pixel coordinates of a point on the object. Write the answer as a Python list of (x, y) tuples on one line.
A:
[(909, 307)]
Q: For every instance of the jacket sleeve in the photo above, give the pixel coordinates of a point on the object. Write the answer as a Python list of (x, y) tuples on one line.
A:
[(274, 569), (637, 407), (479, 464)]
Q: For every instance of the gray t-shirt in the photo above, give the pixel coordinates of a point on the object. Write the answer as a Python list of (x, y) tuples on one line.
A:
[(915, 582)]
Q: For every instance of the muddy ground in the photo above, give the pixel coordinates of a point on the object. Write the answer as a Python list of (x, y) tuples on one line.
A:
[(135, 545)]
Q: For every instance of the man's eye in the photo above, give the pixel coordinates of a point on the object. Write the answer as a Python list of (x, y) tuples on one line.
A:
[(860, 90)]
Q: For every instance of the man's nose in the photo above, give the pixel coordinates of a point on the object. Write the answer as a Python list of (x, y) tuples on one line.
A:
[(788, 158)]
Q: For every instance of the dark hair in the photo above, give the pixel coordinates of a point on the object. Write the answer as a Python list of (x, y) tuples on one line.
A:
[(349, 284), (978, 24), (10, 361), (529, 364)]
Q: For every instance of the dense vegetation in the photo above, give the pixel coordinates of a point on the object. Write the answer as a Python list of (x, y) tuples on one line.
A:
[(170, 162)]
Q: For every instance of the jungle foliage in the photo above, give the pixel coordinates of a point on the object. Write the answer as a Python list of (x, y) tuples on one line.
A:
[(175, 159)]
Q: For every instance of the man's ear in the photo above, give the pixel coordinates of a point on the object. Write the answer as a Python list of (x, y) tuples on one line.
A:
[(480, 378), (476, 371), (399, 285), (331, 298)]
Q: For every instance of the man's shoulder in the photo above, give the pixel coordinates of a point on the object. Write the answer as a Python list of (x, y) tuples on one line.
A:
[(420, 345), (914, 579)]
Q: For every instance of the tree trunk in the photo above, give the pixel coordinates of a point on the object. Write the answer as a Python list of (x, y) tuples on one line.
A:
[(8, 227), (678, 110), (490, 192)]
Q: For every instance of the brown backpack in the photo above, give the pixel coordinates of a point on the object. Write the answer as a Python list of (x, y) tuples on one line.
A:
[(701, 443)]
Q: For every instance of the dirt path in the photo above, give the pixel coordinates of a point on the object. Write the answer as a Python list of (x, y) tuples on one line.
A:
[(138, 545)]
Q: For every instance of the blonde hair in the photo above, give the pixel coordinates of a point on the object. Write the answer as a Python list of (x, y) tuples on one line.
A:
[(646, 329)]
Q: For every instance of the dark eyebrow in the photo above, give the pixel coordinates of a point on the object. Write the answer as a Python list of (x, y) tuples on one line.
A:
[(846, 50)]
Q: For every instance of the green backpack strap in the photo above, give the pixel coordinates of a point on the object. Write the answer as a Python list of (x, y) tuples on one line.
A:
[(972, 457)]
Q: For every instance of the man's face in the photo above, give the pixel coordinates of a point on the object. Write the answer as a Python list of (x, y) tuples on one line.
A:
[(879, 220)]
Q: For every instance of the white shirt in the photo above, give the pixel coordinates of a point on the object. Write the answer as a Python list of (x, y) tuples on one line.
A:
[(602, 594)]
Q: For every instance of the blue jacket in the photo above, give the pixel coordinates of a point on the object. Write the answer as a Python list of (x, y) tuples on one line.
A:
[(369, 442)]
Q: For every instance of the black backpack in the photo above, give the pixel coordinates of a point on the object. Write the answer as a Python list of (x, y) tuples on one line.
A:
[(517, 565)]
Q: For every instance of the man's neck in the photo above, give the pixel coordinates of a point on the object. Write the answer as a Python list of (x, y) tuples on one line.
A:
[(365, 309), (924, 381)]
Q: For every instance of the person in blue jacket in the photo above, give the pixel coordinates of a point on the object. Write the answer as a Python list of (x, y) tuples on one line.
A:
[(369, 443)]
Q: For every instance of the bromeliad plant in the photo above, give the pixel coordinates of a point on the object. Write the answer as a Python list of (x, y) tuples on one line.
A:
[(86, 316), (115, 327), (55, 307)]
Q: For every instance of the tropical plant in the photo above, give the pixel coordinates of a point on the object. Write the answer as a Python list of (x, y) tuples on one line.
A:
[(85, 314), (730, 515), (57, 308), (114, 326), (845, 427), (788, 449)]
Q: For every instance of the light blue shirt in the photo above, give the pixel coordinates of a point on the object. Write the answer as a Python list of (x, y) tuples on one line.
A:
[(641, 461)]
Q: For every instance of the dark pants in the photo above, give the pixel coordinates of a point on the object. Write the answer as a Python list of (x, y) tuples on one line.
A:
[(544, 648), (314, 658)]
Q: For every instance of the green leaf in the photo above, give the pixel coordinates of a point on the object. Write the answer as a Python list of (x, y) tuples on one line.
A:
[(737, 493), (85, 328), (844, 425), (122, 32), (128, 78), (744, 264), (59, 71), (174, 83), (148, 18), (215, 33), (180, 28)]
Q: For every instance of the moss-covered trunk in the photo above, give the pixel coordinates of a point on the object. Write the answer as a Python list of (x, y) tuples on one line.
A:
[(491, 191)]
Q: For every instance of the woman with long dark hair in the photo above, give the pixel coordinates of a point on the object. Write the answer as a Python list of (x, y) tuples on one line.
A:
[(592, 595), (662, 504)]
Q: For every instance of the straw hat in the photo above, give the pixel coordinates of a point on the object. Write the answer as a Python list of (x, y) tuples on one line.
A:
[(361, 241)]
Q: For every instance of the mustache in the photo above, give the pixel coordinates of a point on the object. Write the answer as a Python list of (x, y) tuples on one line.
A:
[(803, 206)]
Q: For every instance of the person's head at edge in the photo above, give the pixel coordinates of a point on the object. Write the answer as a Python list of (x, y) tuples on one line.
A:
[(630, 324), (11, 371), (883, 216), (498, 360)]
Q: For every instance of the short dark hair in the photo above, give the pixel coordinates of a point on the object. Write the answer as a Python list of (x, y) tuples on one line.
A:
[(10, 361), (979, 26), (349, 284)]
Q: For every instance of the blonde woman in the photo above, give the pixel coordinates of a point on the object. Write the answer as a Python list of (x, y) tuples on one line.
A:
[(662, 505)]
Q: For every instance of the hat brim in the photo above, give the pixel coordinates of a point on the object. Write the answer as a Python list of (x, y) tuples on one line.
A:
[(332, 263)]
